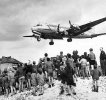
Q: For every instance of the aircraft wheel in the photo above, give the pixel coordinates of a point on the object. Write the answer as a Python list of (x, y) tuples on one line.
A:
[(51, 43), (38, 39), (69, 40)]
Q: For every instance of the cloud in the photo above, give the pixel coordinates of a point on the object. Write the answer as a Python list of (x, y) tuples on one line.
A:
[(15, 18), (11, 30)]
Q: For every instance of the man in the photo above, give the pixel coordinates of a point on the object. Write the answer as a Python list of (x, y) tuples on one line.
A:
[(102, 60)]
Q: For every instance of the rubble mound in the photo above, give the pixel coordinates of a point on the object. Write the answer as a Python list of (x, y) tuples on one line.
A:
[(83, 92)]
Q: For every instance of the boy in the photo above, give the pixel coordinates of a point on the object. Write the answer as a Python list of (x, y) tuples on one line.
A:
[(63, 78), (50, 67), (92, 58), (41, 81), (5, 83), (95, 76), (34, 82), (83, 63), (11, 79), (88, 70)]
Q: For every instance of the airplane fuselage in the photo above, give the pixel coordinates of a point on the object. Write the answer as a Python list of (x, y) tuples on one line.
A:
[(51, 33)]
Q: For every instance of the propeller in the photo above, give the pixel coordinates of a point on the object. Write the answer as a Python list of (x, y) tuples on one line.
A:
[(70, 23), (58, 28)]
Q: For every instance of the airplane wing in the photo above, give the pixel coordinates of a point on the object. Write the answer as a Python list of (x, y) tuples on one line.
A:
[(95, 35), (83, 28), (91, 24)]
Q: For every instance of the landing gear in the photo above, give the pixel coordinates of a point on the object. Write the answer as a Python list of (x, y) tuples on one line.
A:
[(69, 40), (51, 43), (38, 39)]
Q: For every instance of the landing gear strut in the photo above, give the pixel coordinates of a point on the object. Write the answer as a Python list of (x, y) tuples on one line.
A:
[(69, 40)]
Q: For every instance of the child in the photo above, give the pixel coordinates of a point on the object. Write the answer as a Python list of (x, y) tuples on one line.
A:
[(40, 79), (34, 82), (1, 84), (50, 67), (12, 82), (5, 83), (70, 79), (95, 76), (63, 78), (88, 70), (83, 63)]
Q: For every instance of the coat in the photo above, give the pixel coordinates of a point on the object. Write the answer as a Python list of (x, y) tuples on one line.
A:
[(41, 79), (34, 79), (96, 74), (70, 72)]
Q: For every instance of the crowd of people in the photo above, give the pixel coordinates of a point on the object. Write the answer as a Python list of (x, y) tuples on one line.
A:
[(65, 68)]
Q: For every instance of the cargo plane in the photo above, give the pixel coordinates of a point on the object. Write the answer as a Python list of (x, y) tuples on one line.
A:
[(48, 31)]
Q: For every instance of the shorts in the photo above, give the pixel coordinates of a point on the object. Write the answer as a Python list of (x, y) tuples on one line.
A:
[(12, 82), (50, 74), (92, 62)]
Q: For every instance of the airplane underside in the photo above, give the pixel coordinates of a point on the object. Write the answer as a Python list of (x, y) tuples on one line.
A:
[(54, 37)]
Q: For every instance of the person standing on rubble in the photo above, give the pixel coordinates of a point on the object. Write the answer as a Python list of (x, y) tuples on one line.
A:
[(102, 60), (92, 58)]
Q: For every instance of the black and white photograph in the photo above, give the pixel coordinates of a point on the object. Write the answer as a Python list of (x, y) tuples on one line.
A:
[(52, 50)]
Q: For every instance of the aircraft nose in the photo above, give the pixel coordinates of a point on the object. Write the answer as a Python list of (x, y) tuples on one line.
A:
[(34, 28)]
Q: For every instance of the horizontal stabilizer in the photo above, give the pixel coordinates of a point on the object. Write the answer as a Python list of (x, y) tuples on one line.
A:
[(29, 36)]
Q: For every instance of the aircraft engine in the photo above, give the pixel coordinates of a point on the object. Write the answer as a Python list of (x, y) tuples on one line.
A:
[(61, 30)]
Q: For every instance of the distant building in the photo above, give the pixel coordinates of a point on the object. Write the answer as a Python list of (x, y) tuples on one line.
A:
[(8, 62)]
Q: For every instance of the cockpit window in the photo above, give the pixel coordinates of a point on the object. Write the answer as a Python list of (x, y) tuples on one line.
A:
[(39, 25)]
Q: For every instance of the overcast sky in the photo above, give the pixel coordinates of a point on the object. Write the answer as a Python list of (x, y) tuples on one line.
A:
[(18, 16)]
